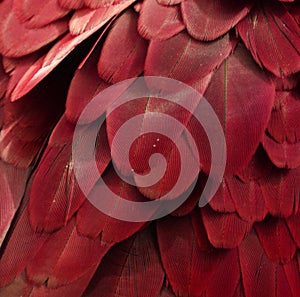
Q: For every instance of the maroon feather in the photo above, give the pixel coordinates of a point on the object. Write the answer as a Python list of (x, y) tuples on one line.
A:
[(92, 222), (248, 199), (242, 110), (16, 40), (258, 272), (293, 223), (24, 243), (168, 21), (281, 191), (187, 60), (63, 196), (131, 268), (71, 4), (65, 257), (224, 230), (188, 268), (276, 240), (282, 142), (12, 187), (93, 19), (124, 51), (208, 20), (291, 270), (272, 35), (36, 14)]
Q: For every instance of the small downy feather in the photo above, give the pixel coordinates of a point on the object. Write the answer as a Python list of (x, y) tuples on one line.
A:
[(168, 21), (208, 20), (131, 268), (124, 50)]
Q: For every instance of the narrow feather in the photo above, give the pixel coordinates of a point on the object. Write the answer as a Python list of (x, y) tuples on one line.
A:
[(258, 272), (91, 20), (124, 50), (208, 20), (224, 230), (16, 40), (132, 268), (168, 21), (276, 240), (63, 196), (188, 268), (23, 244), (281, 191), (85, 85), (36, 14), (65, 257), (92, 222), (12, 187), (243, 110), (272, 35), (291, 270)]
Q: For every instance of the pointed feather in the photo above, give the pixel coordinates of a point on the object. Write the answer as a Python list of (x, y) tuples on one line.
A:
[(272, 35), (168, 21), (91, 20), (16, 40), (36, 14), (276, 240), (63, 196), (291, 270), (23, 244), (92, 222), (124, 51), (131, 268), (65, 257), (208, 20), (12, 187), (98, 3), (224, 230)]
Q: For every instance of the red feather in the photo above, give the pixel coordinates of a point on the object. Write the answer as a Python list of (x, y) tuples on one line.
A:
[(208, 20), (71, 4), (36, 14), (168, 21), (16, 40), (272, 36), (124, 51), (131, 268)]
